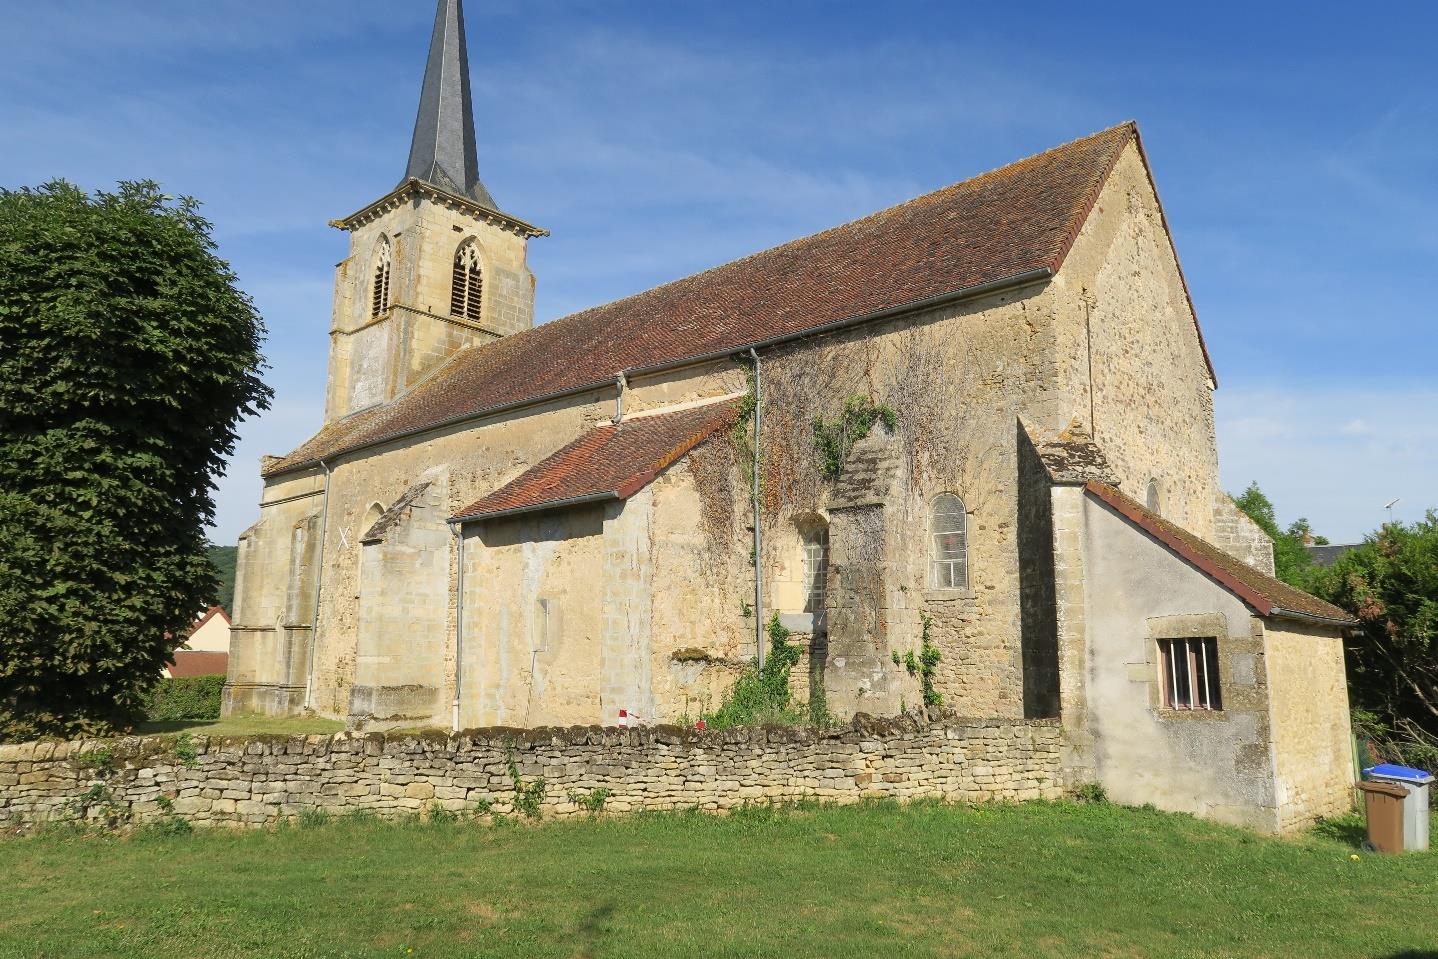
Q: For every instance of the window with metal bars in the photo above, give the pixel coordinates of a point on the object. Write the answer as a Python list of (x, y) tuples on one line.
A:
[(379, 291), (468, 283), (950, 542), (816, 575), (1190, 673)]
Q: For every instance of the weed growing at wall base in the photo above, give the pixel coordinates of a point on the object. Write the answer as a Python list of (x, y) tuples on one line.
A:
[(761, 696)]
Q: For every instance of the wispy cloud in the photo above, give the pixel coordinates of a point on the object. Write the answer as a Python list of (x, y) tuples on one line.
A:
[(1297, 158), (1334, 455)]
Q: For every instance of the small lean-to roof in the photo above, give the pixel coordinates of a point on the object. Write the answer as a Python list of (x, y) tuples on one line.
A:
[(1014, 222), (1265, 595), (609, 462)]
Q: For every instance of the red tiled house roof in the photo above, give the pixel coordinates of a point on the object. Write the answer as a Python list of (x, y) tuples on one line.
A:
[(1013, 222), (1265, 595), (210, 614), (608, 462), (191, 662)]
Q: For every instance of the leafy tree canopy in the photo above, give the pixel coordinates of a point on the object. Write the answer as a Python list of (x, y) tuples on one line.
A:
[(1291, 560), (1391, 584), (128, 358), (224, 558)]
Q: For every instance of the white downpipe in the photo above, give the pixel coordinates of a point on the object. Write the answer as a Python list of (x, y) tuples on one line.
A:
[(758, 535), (319, 580), (458, 624)]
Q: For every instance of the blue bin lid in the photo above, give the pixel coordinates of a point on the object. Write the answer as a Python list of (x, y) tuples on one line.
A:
[(1405, 774)]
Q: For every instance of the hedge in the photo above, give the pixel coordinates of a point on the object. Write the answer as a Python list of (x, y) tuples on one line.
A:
[(190, 697)]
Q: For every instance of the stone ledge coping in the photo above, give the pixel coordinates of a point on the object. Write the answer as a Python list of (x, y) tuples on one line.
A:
[(133, 747)]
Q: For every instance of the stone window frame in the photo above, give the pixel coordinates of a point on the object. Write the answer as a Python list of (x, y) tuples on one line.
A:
[(935, 580), (816, 571), (1187, 626), (805, 531), (381, 266), (466, 289)]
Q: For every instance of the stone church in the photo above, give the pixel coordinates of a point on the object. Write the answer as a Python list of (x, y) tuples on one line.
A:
[(980, 421)]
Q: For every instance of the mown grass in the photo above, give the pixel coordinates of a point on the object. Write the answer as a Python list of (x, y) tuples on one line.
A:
[(242, 726), (1039, 879)]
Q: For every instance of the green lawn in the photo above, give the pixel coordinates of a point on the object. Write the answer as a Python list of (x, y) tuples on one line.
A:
[(243, 726), (925, 880)]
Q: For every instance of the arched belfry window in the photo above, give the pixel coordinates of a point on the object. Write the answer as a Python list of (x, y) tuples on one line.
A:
[(379, 289), (950, 544), (1151, 496), (468, 283)]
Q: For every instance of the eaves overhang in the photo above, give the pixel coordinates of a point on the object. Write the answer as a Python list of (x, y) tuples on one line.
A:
[(413, 188)]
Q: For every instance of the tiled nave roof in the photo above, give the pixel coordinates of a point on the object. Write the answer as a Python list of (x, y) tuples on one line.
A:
[(1003, 224)]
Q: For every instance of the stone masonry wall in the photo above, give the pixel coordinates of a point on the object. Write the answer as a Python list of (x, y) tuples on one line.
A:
[(258, 781)]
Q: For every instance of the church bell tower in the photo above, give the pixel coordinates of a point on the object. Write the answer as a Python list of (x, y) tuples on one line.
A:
[(434, 265)]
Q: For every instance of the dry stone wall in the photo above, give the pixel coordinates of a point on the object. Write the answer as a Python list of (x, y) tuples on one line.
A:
[(257, 781)]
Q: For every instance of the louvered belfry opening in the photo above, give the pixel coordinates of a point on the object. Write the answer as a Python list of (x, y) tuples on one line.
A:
[(379, 294), (468, 286)]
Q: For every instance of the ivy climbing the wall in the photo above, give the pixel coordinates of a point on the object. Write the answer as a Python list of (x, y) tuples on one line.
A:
[(923, 663), (834, 438), (760, 696)]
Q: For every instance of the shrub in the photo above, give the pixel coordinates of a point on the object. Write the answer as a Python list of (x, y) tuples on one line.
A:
[(760, 696), (190, 697)]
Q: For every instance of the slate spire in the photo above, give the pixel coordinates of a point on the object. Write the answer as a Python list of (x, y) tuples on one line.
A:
[(443, 152)]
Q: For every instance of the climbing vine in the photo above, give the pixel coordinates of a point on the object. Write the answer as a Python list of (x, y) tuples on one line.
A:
[(923, 663), (834, 438), (760, 696)]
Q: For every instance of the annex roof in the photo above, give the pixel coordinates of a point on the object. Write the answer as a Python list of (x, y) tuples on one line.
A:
[(607, 463), (1014, 222), (1265, 595)]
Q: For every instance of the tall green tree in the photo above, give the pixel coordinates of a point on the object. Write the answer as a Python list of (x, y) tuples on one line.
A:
[(128, 358), (1291, 560), (1390, 583)]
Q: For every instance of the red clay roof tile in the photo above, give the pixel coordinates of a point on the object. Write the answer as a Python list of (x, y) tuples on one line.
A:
[(1010, 221), (197, 662), (608, 461)]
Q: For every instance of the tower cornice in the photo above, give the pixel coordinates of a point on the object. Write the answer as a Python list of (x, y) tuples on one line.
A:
[(414, 188)]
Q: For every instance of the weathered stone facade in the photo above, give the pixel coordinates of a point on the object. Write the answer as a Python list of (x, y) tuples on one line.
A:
[(365, 593), (255, 782)]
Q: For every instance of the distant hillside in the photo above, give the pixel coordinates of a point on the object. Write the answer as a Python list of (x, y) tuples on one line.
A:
[(224, 559)]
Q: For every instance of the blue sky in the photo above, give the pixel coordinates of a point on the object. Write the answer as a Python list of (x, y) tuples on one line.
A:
[(1295, 147)]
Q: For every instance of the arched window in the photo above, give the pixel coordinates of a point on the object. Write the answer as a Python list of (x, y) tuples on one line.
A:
[(379, 290), (950, 542), (816, 574), (371, 517), (468, 283), (1151, 498)]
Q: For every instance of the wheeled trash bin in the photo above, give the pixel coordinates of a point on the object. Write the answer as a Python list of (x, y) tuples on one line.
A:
[(1415, 804)]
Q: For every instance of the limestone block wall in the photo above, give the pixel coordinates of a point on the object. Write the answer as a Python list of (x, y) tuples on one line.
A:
[(254, 782), (1308, 701), (534, 619), (1237, 535), (371, 359), (958, 378), (1130, 354)]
